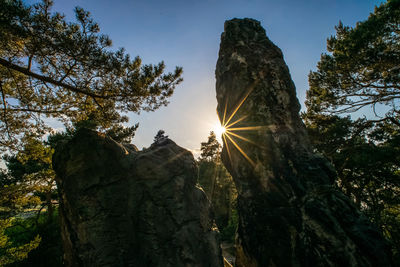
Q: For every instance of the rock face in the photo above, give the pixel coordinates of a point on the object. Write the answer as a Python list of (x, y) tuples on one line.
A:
[(290, 214), (121, 207)]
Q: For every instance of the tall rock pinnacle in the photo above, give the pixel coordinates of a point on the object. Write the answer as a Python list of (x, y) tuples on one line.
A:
[(290, 213)]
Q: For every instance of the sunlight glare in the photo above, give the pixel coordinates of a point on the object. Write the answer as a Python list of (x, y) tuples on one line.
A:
[(219, 130), (226, 130)]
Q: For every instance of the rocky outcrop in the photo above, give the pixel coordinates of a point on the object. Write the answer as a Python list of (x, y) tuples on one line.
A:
[(290, 214), (123, 207)]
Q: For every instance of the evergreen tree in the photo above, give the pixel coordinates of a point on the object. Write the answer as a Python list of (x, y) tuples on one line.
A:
[(50, 68), (160, 136), (366, 157), (9, 252), (28, 184), (32, 179), (362, 67), (218, 185), (362, 70), (211, 149)]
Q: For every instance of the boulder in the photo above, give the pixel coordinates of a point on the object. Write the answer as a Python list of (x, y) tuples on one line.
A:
[(290, 212), (123, 207)]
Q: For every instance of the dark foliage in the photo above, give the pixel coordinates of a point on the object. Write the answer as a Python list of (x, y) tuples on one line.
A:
[(53, 68), (362, 70)]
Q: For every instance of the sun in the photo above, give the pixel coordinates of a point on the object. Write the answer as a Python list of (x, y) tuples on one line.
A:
[(230, 130), (219, 130)]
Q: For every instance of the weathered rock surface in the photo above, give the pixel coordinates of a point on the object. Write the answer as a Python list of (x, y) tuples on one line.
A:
[(123, 207), (290, 212)]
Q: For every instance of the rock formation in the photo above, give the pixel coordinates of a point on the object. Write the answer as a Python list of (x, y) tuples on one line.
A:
[(290, 214), (121, 207)]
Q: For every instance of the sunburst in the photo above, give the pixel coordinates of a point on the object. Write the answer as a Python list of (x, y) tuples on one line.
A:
[(219, 130), (229, 133)]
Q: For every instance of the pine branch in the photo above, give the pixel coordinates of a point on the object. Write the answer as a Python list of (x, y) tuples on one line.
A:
[(42, 78)]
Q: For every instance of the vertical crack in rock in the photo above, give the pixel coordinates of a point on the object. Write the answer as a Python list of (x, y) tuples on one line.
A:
[(290, 214), (123, 207)]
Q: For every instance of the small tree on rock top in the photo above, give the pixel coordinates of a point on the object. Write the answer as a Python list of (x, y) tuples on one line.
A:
[(160, 136)]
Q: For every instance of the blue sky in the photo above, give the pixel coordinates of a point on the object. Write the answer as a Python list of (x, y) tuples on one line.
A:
[(187, 33)]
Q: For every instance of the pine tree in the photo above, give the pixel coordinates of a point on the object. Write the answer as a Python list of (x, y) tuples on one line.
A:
[(160, 136), (27, 185), (218, 184), (211, 149), (50, 68), (361, 68)]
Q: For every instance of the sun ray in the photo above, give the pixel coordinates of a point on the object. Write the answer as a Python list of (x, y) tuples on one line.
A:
[(219, 118), (240, 150), (249, 128), (227, 148), (240, 137), (229, 131), (240, 104), (226, 105), (239, 120)]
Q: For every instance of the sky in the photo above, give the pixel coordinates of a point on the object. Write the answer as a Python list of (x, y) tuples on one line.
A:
[(187, 33)]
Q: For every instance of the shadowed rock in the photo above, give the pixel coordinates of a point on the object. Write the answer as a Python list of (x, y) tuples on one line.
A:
[(120, 207), (290, 214)]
